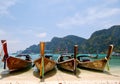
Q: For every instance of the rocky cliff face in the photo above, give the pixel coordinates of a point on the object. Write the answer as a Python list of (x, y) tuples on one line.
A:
[(98, 42)]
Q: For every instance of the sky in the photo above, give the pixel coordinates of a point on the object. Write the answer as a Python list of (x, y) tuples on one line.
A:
[(27, 22)]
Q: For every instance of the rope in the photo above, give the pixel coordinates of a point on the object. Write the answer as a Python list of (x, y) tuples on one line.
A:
[(43, 67), (107, 65)]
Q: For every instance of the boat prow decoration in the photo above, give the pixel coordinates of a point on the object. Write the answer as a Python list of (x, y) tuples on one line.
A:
[(13, 63)]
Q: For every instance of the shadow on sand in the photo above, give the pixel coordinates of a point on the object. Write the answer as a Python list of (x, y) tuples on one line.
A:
[(70, 72), (108, 73), (7, 73), (47, 75), (102, 72)]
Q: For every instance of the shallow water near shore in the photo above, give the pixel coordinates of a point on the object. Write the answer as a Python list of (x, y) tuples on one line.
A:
[(114, 62), (31, 75)]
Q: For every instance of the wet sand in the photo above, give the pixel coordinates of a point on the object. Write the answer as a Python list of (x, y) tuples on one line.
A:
[(55, 76)]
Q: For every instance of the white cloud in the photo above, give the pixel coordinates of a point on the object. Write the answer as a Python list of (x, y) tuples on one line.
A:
[(103, 13), (41, 35), (92, 15), (5, 5)]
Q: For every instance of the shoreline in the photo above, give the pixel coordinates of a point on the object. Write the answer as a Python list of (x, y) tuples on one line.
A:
[(60, 77)]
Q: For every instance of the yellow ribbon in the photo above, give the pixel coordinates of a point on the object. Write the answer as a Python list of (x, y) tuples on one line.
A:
[(42, 67), (107, 65)]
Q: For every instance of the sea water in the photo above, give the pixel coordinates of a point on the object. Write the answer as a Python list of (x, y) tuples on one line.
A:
[(114, 62)]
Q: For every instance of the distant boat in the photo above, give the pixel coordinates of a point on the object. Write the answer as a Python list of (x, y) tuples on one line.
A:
[(66, 62), (14, 63), (116, 54), (97, 64), (44, 64)]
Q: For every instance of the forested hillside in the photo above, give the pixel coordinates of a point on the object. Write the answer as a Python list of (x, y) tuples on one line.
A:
[(98, 42)]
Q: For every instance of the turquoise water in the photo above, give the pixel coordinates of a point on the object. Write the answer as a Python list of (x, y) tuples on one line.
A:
[(114, 62)]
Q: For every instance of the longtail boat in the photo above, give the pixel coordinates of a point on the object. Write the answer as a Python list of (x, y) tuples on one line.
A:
[(14, 63), (44, 64), (99, 64), (68, 63)]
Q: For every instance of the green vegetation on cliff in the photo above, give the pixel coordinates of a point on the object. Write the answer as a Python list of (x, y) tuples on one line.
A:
[(98, 42)]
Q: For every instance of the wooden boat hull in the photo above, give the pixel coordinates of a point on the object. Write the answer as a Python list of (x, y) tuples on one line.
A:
[(14, 63), (67, 65), (95, 65), (48, 64)]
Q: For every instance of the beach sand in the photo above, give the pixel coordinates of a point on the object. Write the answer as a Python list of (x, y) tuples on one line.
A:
[(60, 77)]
